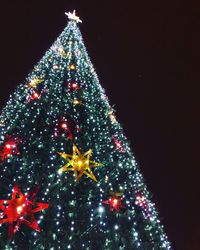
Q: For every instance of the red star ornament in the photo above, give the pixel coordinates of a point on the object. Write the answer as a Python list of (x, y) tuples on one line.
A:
[(10, 147), (66, 126), (115, 203), (20, 210)]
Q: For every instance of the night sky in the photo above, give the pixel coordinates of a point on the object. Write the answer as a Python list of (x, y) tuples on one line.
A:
[(146, 56)]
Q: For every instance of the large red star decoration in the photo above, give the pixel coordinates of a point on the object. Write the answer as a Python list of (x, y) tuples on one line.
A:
[(20, 210), (10, 147), (115, 202)]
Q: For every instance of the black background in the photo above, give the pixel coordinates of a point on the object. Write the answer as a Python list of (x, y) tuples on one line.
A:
[(146, 54)]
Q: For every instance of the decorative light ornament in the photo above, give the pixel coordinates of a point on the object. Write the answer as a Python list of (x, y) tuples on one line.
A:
[(2, 123), (142, 202), (72, 66), (20, 210), (115, 202), (112, 117), (73, 86), (77, 102), (79, 163), (64, 126), (56, 66), (63, 53), (33, 83), (10, 147), (72, 16), (106, 179), (33, 96)]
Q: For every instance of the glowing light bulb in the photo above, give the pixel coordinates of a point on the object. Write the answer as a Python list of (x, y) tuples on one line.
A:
[(64, 125), (116, 227), (80, 163), (101, 210), (76, 102), (35, 95), (60, 171), (72, 66), (19, 209), (115, 201)]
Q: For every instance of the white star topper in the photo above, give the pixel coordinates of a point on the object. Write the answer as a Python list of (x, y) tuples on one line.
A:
[(72, 16)]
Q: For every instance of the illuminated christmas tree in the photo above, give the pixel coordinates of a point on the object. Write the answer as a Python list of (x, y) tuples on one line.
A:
[(68, 178)]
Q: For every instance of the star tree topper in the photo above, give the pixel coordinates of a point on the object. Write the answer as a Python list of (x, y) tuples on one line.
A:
[(20, 210), (72, 16), (80, 164)]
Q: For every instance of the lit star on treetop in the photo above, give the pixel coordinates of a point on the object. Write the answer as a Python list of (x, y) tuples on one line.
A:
[(72, 16)]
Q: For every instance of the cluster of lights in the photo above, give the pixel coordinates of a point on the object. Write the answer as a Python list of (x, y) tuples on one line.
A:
[(112, 117), (77, 102), (33, 96), (118, 144), (10, 147), (140, 201), (63, 127), (73, 86), (115, 202), (63, 53), (33, 83)]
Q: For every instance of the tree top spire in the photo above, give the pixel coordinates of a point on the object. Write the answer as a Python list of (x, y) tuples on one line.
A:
[(73, 16)]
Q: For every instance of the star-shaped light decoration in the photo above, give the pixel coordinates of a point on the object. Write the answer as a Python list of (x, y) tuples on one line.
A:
[(79, 163), (115, 202), (20, 210), (33, 83), (72, 16), (9, 148)]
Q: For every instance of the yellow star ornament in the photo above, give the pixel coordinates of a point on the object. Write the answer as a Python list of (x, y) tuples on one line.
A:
[(79, 163)]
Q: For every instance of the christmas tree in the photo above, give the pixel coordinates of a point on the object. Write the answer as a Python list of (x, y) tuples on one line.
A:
[(68, 178)]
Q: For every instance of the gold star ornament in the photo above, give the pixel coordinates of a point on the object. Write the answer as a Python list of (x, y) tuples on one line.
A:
[(33, 83), (79, 163)]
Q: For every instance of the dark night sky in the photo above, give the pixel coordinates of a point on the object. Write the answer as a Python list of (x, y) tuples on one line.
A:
[(146, 56)]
